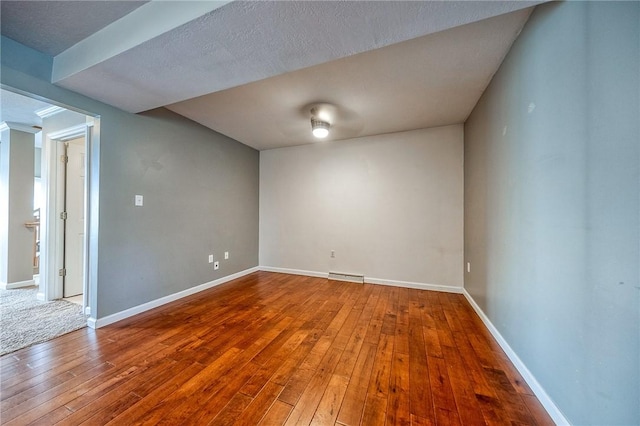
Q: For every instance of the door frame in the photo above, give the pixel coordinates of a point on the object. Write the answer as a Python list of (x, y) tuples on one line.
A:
[(52, 232)]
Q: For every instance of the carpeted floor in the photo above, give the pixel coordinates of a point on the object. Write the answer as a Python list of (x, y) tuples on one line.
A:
[(25, 321)]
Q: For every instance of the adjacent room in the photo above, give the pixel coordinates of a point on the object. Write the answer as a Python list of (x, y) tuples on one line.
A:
[(328, 212), (36, 242)]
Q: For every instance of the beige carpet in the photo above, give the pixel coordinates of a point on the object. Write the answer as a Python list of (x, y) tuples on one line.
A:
[(25, 321)]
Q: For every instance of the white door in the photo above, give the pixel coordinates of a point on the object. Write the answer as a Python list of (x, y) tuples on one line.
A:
[(74, 226)]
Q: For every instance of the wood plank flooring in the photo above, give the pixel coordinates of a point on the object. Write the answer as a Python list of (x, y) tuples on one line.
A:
[(276, 349)]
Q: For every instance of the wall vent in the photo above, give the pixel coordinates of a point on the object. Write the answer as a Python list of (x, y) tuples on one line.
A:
[(341, 276)]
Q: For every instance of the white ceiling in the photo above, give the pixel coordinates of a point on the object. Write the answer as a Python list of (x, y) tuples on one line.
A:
[(20, 109), (429, 81), (248, 69)]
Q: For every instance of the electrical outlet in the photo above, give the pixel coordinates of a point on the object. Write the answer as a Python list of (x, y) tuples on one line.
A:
[(226, 255), (468, 266), (210, 258), (216, 266), (333, 253)]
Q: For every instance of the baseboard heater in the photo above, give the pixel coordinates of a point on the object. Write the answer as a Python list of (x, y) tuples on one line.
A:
[(341, 276)]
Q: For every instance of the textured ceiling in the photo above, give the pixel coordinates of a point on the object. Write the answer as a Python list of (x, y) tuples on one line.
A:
[(429, 81), (242, 42), (248, 68), (53, 26)]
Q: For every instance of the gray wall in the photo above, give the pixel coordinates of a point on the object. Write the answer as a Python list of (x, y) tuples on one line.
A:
[(390, 206), (200, 197), (16, 200), (200, 193), (552, 206)]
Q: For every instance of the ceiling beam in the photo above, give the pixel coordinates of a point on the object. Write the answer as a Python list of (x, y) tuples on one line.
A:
[(148, 59), (143, 24)]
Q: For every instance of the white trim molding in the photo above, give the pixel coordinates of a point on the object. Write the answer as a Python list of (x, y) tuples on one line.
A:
[(17, 284), (535, 386), (294, 272), (419, 286), (49, 111), (70, 133), (27, 128), (52, 230), (119, 316), (369, 280)]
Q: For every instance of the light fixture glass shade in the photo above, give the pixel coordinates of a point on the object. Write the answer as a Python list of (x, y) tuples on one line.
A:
[(320, 129)]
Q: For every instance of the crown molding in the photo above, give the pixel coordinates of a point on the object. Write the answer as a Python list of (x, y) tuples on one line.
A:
[(5, 125), (48, 112)]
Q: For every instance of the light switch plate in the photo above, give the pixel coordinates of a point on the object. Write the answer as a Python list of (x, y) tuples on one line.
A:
[(139, 200), (226, 255)]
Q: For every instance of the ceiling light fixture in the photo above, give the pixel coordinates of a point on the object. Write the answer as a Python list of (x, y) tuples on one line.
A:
[(319, 128)]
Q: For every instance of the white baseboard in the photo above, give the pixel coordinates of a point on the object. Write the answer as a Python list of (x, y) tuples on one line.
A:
[(119, 316), (419, 286), (535, 386), (18, 284), (368, 280), (294, 271), (91, 323)]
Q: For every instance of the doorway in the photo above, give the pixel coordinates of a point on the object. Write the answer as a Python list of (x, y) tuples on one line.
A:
[(73, 252), (57, 126), (67, 257)]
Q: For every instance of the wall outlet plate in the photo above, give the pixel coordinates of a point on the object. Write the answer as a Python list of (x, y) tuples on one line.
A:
[(226, 255), (210, 258), (216, 266)]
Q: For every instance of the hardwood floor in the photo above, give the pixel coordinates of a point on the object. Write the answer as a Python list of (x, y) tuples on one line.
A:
[(275, 349)]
